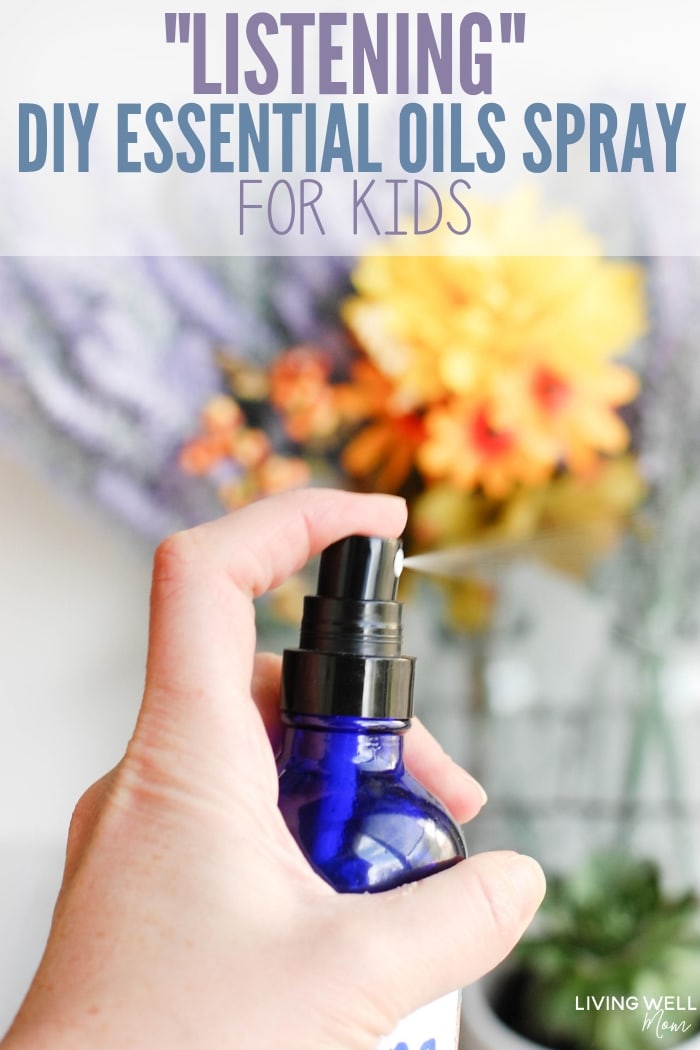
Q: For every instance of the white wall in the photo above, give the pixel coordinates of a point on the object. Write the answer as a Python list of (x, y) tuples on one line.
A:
[(73, 616)]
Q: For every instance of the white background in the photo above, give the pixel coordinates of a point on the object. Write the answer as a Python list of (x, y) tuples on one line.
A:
[(73, 615)]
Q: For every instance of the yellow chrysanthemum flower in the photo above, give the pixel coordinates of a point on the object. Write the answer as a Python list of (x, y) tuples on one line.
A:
[(507, 358)]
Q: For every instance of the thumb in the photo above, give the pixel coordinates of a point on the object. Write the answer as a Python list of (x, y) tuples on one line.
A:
[(434, 936)]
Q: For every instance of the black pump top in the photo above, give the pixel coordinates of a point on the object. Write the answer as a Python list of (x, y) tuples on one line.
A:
[(365, 568), (349, 658)]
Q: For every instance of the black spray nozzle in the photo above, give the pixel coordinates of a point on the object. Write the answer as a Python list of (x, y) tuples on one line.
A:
[(349, 657), (363, 568), (354, 609)]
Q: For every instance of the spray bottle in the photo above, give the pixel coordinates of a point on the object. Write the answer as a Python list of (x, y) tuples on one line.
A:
[(363, 822)]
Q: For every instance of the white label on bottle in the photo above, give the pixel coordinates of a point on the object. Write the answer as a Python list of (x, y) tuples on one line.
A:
[(432, 1027)]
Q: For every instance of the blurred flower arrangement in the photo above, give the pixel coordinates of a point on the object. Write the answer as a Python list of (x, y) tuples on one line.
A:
[(484, 388)]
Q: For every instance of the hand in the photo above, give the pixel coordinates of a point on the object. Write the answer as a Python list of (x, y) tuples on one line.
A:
[(188, 917)]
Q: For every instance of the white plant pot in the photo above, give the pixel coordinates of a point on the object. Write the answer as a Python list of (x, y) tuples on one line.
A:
[(482, 1030)]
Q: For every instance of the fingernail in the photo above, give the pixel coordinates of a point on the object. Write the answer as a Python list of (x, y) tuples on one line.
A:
[(482, 792), (528, 881), (477, 786)]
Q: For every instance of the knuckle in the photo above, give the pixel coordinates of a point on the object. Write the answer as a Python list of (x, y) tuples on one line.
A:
[(84, 809), (82, 822), (500, 904), (172, 560), (170, 554), (78, 821)]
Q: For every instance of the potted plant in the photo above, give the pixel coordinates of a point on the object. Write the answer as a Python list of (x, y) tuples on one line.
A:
[(614, 964)]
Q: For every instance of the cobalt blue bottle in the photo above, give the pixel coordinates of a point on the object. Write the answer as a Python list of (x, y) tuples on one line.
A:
[(363, 822)]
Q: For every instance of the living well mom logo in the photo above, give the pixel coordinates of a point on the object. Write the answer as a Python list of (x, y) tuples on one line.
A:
[(663, 1015)]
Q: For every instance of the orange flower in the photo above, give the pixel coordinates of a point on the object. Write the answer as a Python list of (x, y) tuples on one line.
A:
[(300, 390), (384, 451), (226, 437), (222, 419), (203, 452), (221, 413), (249, 447), (384, 448)]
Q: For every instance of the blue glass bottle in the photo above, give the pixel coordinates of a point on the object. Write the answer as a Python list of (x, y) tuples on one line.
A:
[(363, 822)]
